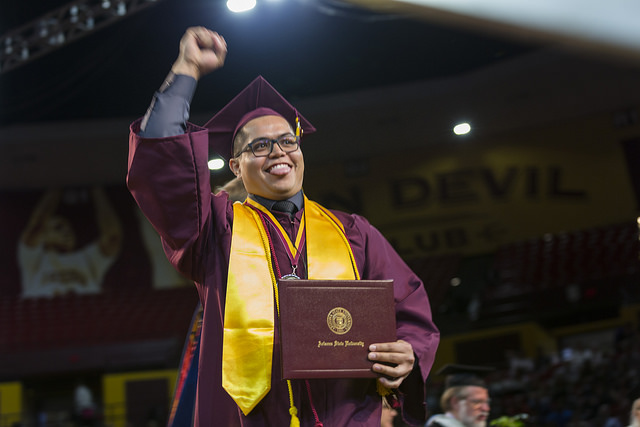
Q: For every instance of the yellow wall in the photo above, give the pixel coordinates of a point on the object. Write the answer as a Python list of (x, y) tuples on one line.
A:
[(114, 386), (10, 402), (631, 315)]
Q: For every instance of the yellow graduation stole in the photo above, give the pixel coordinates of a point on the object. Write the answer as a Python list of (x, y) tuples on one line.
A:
[(252, 288)]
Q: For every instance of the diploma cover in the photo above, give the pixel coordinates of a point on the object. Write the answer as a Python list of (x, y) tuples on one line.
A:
[(326, 326)]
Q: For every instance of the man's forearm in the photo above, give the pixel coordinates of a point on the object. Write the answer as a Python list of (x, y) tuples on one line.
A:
[(169, 110)]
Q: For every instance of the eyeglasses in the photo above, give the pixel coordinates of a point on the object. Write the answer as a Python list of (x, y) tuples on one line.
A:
[(478, 402), (262, 147)]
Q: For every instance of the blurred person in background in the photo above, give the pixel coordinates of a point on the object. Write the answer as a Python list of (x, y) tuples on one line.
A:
[(389, 414), (634, 418), (465, 400)]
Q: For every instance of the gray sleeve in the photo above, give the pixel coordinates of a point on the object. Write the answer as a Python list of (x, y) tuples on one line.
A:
[(169, 110)]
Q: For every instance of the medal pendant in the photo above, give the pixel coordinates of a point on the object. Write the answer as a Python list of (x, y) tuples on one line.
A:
[(289, 277)]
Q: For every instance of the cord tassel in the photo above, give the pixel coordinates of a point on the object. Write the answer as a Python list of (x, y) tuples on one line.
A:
[(295, 422), (313, 407), (382, 390)]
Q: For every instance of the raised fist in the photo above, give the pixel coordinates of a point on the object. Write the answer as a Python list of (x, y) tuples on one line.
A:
[(201, 51)]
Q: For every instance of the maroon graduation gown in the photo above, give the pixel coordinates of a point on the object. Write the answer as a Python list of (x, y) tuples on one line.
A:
[(169, 179)]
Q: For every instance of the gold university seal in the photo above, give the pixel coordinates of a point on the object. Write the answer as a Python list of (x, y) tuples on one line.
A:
[(339, 320)]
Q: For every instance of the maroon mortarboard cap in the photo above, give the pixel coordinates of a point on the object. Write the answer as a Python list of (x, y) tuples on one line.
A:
[(464, 375), (258, 99)]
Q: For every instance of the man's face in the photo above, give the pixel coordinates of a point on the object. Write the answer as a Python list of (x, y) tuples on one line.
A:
[(388, 415), (635, 413), (277, 176), (473, 410)]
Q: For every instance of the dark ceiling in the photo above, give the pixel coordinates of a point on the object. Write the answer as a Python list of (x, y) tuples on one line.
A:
[(303, 47)]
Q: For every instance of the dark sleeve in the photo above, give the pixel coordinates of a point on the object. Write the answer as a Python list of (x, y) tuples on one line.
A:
[(169, 179), (169, 110)]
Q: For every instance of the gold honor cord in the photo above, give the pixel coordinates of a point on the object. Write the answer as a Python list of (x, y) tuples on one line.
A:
[(293, 248), (251, 289)]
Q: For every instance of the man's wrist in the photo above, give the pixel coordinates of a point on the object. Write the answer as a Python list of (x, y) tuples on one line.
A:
[(168, 81), (186, 68), (179, 85)]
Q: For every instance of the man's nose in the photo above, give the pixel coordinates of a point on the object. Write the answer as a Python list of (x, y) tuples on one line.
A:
[(276, 151)]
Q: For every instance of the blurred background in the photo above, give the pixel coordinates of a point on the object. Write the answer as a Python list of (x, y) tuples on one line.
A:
[(523, 225)]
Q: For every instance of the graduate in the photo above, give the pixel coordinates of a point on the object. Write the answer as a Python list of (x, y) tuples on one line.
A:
[(236, 252)]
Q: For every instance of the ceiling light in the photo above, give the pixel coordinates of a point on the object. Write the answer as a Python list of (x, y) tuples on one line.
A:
[(216, 164), (240, 5), (462, 128)]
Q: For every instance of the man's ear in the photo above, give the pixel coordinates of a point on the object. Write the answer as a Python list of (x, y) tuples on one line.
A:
[(454, 403), (234, 165)]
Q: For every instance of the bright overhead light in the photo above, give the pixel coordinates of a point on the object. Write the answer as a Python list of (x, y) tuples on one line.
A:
[(216, 164), (462, 129), (240, 5)]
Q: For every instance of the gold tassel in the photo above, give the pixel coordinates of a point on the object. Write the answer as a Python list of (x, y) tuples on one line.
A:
[(295, 422), (382, 390)]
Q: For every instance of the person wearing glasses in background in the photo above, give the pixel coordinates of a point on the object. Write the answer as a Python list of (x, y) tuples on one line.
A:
[(235, 253), (634, 417), (465, 400)]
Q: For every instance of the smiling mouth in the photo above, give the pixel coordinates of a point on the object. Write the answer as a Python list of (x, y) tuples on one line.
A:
[(279, 169)]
